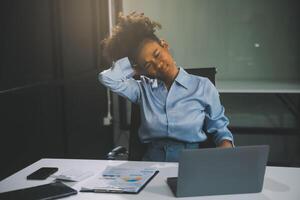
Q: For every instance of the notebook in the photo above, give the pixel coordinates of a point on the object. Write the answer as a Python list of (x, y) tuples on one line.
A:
[(42, 192), (217, 171)]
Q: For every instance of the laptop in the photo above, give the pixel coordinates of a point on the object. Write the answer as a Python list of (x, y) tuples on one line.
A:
[(219, 171), (42, 192)]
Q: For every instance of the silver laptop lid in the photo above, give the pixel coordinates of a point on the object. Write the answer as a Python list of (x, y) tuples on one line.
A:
[(218, 171)]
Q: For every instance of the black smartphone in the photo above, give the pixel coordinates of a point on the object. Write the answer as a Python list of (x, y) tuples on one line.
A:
[(42, 173)]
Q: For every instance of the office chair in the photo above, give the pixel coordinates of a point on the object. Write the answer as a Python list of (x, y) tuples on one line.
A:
[(138, 149)]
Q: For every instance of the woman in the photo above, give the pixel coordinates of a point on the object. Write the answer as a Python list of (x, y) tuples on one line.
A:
[(176, 107)]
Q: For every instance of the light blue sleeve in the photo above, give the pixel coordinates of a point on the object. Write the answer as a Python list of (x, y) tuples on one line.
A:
[(119, 79), (215, 120)]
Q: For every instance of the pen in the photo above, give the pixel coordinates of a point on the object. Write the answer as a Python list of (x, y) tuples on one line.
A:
[(103, 190)]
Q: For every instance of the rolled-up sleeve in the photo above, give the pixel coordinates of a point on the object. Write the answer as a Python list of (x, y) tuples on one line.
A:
[(119, 79), (215, 120)]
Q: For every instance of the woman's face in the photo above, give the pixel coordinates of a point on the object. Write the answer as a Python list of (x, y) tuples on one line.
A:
[(154, 59)]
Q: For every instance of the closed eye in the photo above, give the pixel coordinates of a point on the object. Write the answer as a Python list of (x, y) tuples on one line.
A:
[(156, 53), (147, 65)]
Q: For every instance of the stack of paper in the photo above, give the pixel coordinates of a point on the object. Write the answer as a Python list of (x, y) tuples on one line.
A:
[(120, 179), (73, 175)]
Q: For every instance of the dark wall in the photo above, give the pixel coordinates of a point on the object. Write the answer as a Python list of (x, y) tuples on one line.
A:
[(51, 104)]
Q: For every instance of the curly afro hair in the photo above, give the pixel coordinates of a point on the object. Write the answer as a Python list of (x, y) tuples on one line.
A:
[(127, 35)]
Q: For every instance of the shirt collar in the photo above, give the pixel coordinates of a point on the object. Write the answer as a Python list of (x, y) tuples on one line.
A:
[(154, 83), (183, 78)]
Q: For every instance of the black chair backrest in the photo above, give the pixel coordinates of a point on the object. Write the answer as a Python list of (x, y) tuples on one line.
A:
[(138, 149)]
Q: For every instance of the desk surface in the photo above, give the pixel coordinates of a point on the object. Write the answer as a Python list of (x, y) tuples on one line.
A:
[(259, 86), (280, 182)]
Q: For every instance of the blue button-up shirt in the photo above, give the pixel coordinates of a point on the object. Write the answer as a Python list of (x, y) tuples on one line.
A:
[(190, 107)]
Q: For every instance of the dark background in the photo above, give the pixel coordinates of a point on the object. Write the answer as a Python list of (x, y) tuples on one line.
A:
[(51, 103)]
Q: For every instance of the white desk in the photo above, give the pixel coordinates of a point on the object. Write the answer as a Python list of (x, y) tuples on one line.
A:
[(259, 86), (280, 182), (280, 88)]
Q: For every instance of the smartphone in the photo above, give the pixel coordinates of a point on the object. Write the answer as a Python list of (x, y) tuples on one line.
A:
[(42, 173)]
